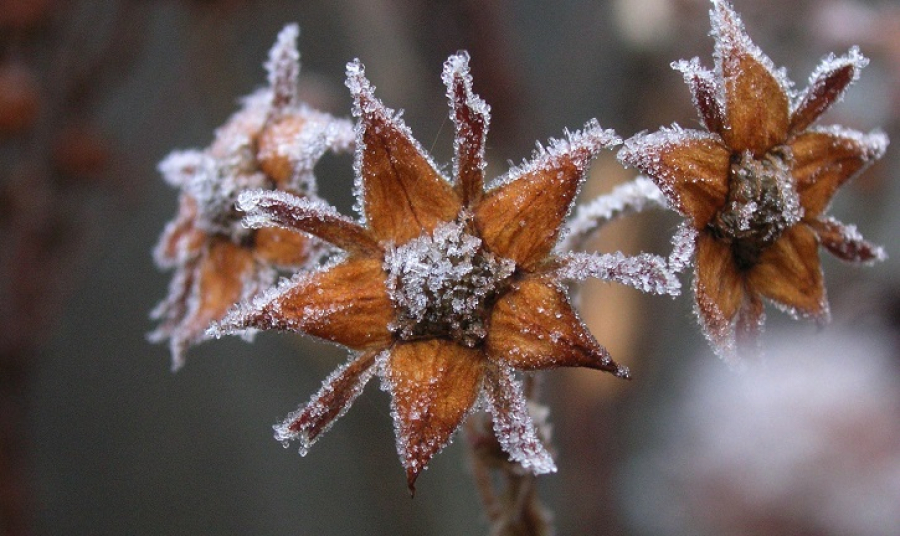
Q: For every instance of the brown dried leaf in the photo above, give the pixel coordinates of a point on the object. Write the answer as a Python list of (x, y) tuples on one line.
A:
[(281, 247), (220, 285), (521, 219)]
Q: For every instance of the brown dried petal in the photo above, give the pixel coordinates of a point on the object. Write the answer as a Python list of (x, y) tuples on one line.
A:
[(521, 218), (434, 383), (824, 159), (705, 91), (471, 116), (822, 92), (281, 247), (346, 303), (844, 241), (533, 326), (789, 273), (223, 272), (333, 400), (274, 147), (756, 102), (719, 290), (690, 167), (403, 195), (181, 238), (265, 208)]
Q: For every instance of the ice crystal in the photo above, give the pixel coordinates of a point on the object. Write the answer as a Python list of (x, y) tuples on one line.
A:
[(626, 198), (645, 272), (442, 283), (513, 425)]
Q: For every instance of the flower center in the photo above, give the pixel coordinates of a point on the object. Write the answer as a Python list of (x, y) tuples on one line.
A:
[(443, 285), (760, 206)]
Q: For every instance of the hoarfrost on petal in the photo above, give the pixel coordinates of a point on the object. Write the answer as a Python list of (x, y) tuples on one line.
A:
[(732, 41), (646, 272), (275, 208), (513, 425), (471, 116), (368, 107), (816, 94), (330, 403), (705, 91), (874, 144), (581, 146), (626, 198), (178, 168), (283, 67), (684, 242)]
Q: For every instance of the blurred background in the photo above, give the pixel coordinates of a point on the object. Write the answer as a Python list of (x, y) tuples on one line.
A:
[(97, 436)]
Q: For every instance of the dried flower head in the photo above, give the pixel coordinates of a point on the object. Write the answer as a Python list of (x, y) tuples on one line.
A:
[(446, 288), (757, 183), (272, 143)]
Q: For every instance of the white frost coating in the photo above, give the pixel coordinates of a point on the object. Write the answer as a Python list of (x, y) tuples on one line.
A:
[(246, 314), (645, 272), (178, 168), (851, 242), (826, 67), (316, 410), (214, 184), (456, 70), (320, 133), (874, 144), (369, 108), (513, 425), (283, 67), (684, 242), (642, 150), (732, 41), (626, 198), (275, 208), (580, 146), (442, 282), (697, 76)]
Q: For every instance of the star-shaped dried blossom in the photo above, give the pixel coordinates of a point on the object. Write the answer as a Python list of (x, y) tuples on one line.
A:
[(756, 185), (273, 142), (446, 289)]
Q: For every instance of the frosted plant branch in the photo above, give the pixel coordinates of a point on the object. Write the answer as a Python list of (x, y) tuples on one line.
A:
[(626, 198)]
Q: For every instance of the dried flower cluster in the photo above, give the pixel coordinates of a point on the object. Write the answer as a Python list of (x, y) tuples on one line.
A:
[(756, 184), (453, 289), (272, 143)]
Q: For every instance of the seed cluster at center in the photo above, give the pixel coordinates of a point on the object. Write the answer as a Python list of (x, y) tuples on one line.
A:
[(442, 285), (762, 203)]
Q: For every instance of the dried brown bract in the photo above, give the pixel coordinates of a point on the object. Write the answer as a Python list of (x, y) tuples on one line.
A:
[(272, 143), (446, 288), (757, 183)]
